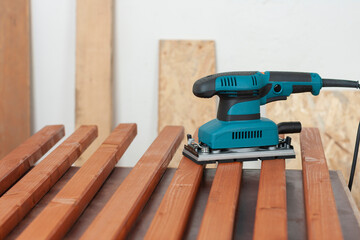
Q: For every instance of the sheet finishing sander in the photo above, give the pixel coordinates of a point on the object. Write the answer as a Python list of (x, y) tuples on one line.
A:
[(239, 133)]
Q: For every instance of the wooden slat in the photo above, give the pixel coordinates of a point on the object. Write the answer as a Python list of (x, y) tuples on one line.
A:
[(219, 217), (19, 199), (271, 216), (121, 211), (181, 63), (322, 219), (93, 68), (14, 74), (63, 210), (19, 161), (173, 213)]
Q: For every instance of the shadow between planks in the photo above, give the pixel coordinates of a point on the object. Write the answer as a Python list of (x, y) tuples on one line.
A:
[(245, 213)]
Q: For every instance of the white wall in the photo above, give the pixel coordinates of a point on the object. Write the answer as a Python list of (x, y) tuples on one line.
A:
[(299, 35)]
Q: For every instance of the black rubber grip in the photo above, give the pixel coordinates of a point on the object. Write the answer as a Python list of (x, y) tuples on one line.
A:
[(289, 127), (302, 88), (289, 77)]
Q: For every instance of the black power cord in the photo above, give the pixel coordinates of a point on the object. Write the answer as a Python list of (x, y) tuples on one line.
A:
[(353, 165)]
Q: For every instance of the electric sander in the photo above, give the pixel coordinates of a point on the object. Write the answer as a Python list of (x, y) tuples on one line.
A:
[(239, 133)]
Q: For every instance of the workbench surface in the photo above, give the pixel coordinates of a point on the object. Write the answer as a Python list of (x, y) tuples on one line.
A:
[(245, 214)]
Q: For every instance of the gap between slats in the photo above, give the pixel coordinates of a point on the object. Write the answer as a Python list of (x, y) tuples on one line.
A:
[(132, 195), (23, 196), (18, 162), (64, 209)]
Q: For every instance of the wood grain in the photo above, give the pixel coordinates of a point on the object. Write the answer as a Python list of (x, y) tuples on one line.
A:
[(219, 217), (14, 165), (173, 213), (322, 219), (14, 74), (65, 208), (337, 118), (181, 63), (119, 214), (271, 216), (23, 196), (94, 24)]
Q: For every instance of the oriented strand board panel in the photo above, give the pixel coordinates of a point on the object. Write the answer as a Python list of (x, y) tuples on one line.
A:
[(93, 68), (120, 213), (336, 114), (181, 63), (65, 208), (14, 74), (271, 215), (219, 217), (322, 219), (14, 165)]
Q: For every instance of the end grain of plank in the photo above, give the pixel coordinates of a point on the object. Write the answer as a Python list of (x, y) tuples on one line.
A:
[(322, 219), (219, 217), (64, 209), (271, 215), (119, 214), (14, 165), (14, 74), (173, 213), (19, 199)]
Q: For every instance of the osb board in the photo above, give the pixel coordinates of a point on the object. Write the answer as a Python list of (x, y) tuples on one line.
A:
[(14, 74), (93, 68), (336, 113), (181, 63)]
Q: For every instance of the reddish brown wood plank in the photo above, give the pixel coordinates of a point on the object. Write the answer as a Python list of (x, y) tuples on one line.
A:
[(119, 214), (19, 161), (219, 217), (271, 216), (173, 213), (14, 74), (322, 219), (19, 199), (63, 210)]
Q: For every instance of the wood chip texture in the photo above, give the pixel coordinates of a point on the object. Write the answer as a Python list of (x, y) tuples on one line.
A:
[(181, 63)]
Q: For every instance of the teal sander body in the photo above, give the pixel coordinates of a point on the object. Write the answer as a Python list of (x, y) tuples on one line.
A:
[(239, 133)]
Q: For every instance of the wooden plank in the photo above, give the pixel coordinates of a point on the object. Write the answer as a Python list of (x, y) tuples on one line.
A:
[(322, 219), (271, 216), (132, 195), (64, 209), (219, 217), (14, 74), (19, 199), (14, 165), (93, 68), (173, 213), (181, 63)]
